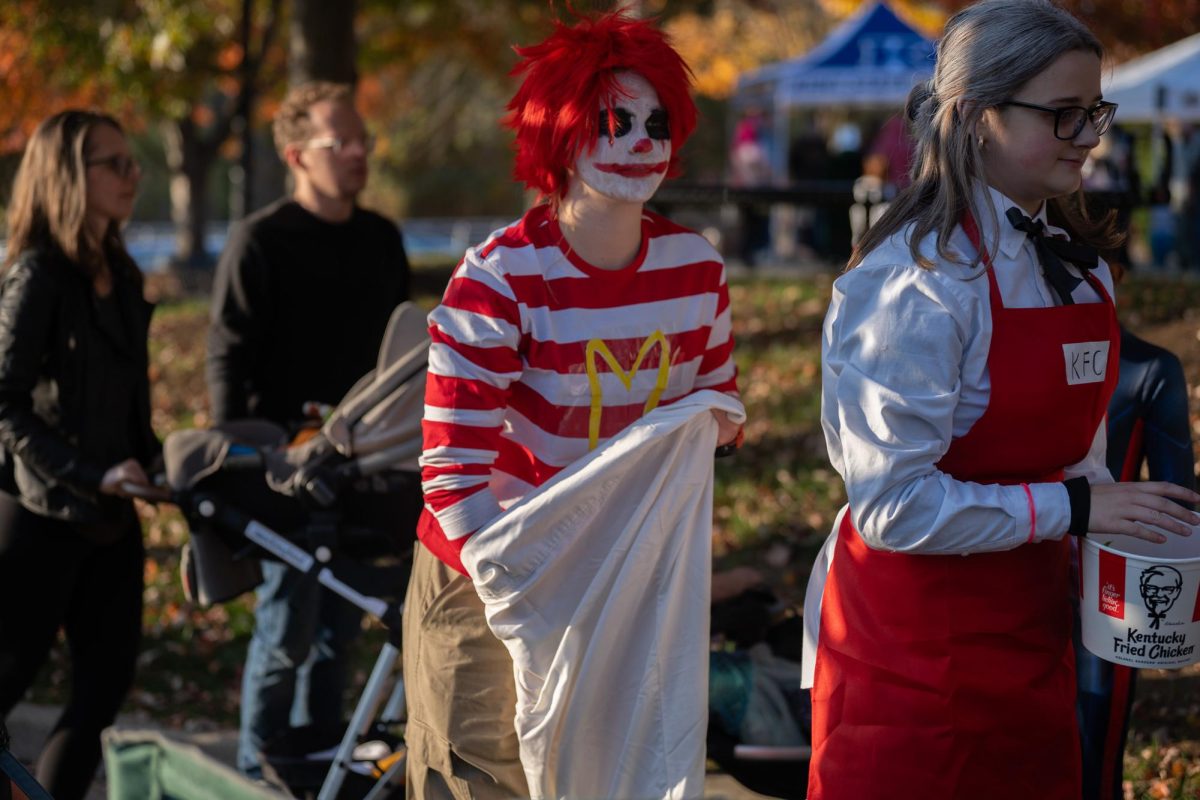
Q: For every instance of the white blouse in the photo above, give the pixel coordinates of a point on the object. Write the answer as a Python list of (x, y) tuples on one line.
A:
[(904, 356), (904, 371)]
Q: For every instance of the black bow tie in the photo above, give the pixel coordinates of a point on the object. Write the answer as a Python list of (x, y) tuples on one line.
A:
[(1051, 251)]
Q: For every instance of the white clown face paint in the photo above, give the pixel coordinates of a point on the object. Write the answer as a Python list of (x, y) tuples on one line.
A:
[(629, 167)]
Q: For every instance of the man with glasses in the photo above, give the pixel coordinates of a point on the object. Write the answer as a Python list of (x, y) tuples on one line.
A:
[(301, 298)]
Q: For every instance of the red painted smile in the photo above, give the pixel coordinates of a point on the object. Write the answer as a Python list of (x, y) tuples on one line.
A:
[(633, 170)]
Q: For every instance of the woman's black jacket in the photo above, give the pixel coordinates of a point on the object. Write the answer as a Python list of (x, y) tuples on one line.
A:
[(48, 419)]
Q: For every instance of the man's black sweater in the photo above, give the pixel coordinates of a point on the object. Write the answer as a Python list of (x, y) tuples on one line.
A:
[(299, 308)]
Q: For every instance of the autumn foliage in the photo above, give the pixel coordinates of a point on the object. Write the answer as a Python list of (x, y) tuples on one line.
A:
[(26, 101), (1130, 27)]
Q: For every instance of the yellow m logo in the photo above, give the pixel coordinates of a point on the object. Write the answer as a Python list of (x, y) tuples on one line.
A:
[(597, 346)]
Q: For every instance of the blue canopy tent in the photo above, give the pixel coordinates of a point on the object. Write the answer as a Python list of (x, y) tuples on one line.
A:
[(871, 61)]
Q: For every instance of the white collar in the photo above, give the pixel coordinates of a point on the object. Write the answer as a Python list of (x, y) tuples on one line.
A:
[(992, 222)]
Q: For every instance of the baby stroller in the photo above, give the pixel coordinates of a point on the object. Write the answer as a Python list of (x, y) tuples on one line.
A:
[(341, 507)]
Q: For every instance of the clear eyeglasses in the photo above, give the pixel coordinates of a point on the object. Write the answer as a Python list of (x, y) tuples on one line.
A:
[(337, 144), (121, 165)]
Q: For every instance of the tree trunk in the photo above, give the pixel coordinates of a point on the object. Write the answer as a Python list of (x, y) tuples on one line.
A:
[(244, 124), (191, 151), (321, 46), (189, 161)]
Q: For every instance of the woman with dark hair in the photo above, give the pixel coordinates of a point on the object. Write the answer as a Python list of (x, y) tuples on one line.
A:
[(75, 431)]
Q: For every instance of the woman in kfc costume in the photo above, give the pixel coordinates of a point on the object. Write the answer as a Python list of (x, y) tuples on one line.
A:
[(970, 350)]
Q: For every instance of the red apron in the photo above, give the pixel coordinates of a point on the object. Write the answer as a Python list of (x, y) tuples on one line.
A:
[(944, 676)]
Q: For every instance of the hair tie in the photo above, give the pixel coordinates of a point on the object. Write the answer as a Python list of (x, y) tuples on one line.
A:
[(930, 106), (922, 105)]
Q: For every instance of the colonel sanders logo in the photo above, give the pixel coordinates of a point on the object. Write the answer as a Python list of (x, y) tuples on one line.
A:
[(1160, 586)]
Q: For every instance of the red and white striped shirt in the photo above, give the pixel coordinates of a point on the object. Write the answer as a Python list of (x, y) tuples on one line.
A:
[(538, 356)]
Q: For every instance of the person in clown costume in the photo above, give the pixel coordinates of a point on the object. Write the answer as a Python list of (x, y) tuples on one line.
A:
[(969, 353), (586, 287)]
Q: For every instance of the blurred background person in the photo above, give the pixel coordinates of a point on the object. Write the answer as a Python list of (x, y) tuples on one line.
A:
[(894, 145), (808, 161), (845, 164), (750, 168), (1189, 204), (75, 429), (872, 193), (1110, 171), (1160, 223), (1178, 137), (301, 299)]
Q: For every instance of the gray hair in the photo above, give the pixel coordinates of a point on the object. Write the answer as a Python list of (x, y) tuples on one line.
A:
[(986, 54)]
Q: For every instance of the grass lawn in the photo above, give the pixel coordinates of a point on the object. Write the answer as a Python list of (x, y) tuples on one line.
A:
[(775, 502)]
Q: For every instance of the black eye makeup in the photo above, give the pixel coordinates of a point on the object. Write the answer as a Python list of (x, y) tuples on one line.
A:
[(615, 124), (656, 125), (620, 122)]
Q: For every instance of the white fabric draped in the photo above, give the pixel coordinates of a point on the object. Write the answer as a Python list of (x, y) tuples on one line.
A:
[(598, 584)]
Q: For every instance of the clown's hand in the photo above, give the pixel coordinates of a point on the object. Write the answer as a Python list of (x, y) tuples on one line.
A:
[(729, 433)]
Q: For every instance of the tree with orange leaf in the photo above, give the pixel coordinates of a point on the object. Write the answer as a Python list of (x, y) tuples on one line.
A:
[(25, 101), (179, 64)]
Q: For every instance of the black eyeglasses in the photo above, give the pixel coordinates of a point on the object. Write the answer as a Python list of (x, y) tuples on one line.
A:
[(337, 144), (121, 165), (1069, 120), (620, 122)]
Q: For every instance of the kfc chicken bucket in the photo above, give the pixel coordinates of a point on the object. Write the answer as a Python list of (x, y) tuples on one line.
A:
[(1141, 601)]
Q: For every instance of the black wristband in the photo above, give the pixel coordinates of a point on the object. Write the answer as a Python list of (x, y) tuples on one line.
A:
[(1079, 491)]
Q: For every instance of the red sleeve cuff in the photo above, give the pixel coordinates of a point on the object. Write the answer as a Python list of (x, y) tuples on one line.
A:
[(449, 552)]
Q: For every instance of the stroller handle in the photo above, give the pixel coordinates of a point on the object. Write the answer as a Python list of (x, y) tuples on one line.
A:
[(151, 494)]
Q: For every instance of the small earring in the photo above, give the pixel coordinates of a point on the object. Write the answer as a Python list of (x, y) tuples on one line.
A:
[(982, 142)]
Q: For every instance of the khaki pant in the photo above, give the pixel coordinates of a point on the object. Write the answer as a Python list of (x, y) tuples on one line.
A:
[(458, 680)]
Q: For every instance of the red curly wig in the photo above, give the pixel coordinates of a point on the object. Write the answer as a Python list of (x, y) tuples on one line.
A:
[(570, 74)]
